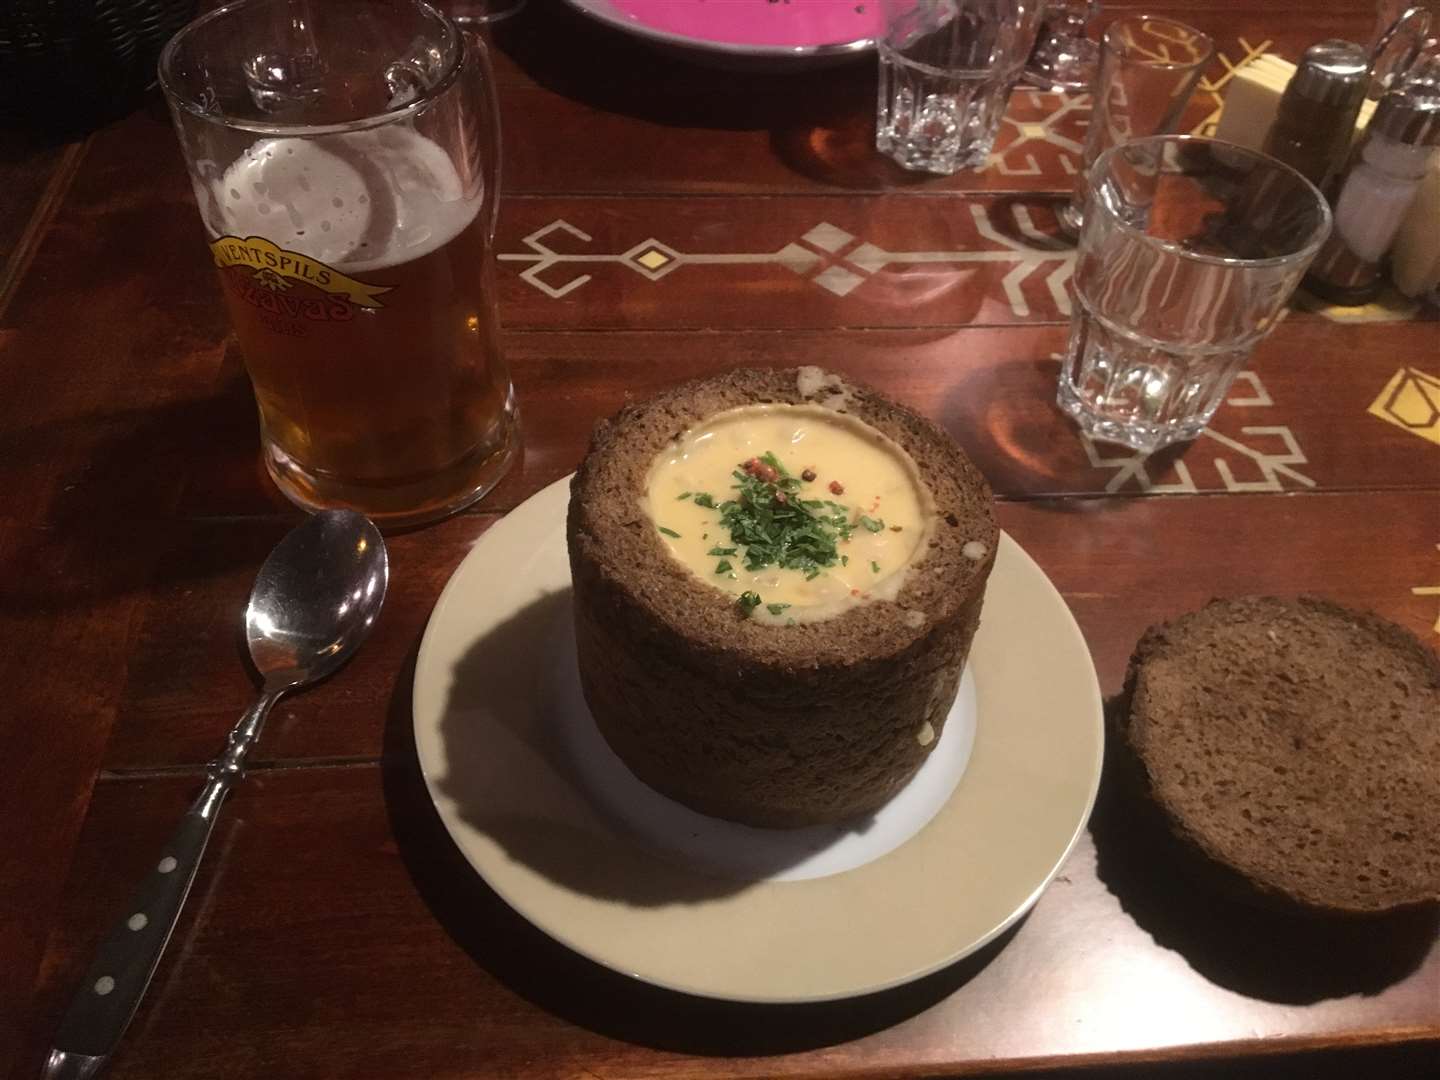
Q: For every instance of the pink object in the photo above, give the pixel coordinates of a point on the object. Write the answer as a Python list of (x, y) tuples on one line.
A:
[(773, 23)]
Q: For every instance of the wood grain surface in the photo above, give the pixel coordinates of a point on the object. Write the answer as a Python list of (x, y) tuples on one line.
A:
[(334, 930)]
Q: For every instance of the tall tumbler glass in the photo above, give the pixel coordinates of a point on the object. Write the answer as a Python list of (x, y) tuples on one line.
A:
[(345, 158), (1149, 67), (946, 71), (1190, 250)]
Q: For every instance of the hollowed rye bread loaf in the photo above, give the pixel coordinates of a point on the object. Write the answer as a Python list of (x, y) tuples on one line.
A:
[(765, 723), (1296, 746)]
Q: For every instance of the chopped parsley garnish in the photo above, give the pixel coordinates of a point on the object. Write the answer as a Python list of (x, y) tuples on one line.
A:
[(682, 495), (775, 609), (748, 602), (844, 560), (775, 529), (706, 500), (874, 567), (721, 551), (872, 524), (669, 532), (723, 566)]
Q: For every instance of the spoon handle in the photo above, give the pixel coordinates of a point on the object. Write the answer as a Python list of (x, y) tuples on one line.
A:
[(116, 981)]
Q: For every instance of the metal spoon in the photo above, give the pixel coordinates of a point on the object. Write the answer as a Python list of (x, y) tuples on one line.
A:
[(313, 603)]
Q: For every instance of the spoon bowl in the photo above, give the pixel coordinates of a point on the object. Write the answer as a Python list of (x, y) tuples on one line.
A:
[(315, 598)]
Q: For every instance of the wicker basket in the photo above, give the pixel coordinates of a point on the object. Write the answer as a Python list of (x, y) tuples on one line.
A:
[(68, 64)]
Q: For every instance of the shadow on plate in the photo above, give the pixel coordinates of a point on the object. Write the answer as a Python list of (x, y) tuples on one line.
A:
[(511, 773), (1278, 955), (566, 984)]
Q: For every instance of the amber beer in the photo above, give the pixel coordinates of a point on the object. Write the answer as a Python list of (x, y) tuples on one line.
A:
[(365, 313)]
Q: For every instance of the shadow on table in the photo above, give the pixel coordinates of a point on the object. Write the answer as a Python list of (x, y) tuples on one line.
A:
[(103, 523), (1262, 952), (821, 120), (562, 982), (1009, 424), (834, 143), (597, 65)]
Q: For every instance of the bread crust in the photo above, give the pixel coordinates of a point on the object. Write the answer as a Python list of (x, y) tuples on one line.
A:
[(1295, 744), (759, 723)]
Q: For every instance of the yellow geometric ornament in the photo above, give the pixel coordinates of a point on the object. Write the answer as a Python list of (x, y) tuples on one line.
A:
[(1411, 400)]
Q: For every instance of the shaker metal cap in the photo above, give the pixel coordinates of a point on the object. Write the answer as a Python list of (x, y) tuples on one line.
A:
[(1410, 114), (1334, 72)]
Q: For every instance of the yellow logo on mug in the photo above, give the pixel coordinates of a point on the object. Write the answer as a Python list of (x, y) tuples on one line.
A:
[(275, 268)]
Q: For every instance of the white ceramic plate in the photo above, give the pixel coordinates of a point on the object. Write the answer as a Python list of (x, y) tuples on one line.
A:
[(569, 846), (755, 30)]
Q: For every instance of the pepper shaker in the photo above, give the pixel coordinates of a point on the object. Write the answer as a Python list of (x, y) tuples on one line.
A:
[(1316, 115)]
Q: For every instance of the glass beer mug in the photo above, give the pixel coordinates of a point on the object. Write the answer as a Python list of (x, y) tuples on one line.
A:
[(345, 158)]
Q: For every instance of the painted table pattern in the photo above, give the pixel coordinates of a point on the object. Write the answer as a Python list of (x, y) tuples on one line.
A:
[(661, 220)]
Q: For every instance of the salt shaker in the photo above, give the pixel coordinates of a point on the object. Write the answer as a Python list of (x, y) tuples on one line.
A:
[(1376, 191), (1316, 116)]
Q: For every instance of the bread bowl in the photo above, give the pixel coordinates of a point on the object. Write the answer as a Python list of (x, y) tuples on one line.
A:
[(775, 699)]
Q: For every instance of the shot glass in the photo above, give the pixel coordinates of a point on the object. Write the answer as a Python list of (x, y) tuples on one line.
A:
[(946, 71), (1190, 250), (1149, 66)]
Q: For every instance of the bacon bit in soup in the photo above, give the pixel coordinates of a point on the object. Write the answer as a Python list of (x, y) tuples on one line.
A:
[(760, 470), (808, 475), (837, 488)]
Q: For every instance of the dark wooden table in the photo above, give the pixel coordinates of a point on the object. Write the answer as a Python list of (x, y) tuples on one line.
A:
[(334, 931)]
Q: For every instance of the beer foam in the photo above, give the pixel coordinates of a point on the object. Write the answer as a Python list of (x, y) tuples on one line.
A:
[(365, 200)]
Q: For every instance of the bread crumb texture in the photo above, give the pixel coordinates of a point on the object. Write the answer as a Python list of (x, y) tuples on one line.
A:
[(1297, 743)]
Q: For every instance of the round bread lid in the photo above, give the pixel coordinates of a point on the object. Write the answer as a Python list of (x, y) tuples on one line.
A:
[(1294, 743)]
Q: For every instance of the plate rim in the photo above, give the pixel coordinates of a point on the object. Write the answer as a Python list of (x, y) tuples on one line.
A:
[(535, 506), (601, 12)]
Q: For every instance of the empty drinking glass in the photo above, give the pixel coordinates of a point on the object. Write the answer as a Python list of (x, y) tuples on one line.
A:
[(1064, 57), (1190, 250), (1149, 67), (946, 71)]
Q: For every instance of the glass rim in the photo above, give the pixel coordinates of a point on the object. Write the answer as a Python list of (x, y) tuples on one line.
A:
[(998, 74), (454, 37), (1317, 237), (1159, 65)]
